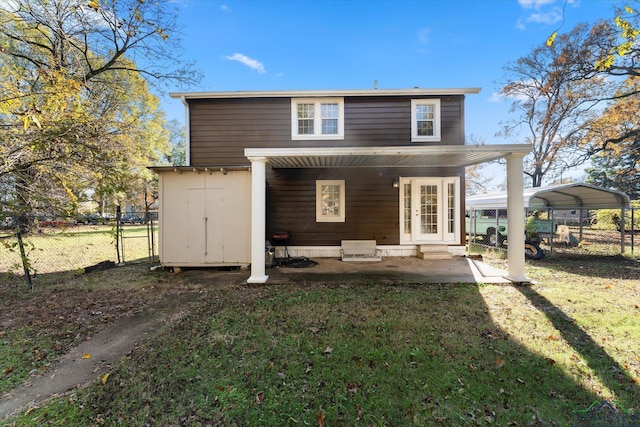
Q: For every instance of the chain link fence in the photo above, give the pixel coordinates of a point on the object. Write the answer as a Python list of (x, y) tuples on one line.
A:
[(594, 231), (56, 245)]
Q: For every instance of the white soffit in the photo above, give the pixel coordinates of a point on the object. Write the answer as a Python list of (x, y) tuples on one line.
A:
[(423, 156)]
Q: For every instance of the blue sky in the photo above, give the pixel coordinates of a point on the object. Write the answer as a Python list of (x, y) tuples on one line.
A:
[(349, 44)]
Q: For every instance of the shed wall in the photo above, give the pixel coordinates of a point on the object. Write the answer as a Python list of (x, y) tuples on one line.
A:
[(205, 218)]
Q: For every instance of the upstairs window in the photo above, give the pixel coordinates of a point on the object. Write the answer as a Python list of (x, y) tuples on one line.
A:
[(425, 120), (317, 118)]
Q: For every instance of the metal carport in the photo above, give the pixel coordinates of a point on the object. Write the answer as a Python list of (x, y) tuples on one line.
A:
[(563, 196)]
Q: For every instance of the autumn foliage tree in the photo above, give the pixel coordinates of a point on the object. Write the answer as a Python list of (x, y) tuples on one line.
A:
[(554, 92), (76, 108), (618, 165)]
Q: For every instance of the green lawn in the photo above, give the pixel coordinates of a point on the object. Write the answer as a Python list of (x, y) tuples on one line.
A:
[(56, 249), (368, 354)]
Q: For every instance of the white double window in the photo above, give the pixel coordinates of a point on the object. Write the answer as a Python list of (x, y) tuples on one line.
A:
[(425, 120), (317, 118)]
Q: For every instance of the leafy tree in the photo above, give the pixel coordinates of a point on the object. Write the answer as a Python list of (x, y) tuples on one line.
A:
[(178, 154), (75, 107), (618, 166), (616, 55), (475, 181), (554, 92)]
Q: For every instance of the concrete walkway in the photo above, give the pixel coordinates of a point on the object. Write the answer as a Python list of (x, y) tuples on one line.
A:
[(94, 357)]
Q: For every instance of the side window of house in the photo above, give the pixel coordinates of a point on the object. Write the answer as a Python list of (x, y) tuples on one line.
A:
[(330, 198), (425, 120), (317, 118)]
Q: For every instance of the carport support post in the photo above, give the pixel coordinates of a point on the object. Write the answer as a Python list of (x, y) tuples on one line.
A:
[(258, 219), (515, 218)]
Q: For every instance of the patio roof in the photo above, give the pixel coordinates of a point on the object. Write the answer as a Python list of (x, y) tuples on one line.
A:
[(564, 196), (419, 156)]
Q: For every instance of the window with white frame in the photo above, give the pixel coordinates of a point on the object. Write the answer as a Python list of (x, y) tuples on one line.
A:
[(317, 118), (330, 201), (425, 120)]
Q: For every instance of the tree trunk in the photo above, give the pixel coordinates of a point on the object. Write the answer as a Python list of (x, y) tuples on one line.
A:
[(25, 260)]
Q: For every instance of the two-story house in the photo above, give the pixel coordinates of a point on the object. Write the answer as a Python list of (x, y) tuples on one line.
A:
[(324, 167)]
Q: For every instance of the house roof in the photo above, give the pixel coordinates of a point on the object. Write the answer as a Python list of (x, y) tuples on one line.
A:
[(418, 156), (324, 93), (564, 196)]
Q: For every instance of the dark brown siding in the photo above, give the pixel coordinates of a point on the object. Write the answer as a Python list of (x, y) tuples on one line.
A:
[(372, 204), (222, 128)]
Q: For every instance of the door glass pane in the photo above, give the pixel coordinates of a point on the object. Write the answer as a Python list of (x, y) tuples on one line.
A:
[(451, 194), (407, 209), (429, 209)]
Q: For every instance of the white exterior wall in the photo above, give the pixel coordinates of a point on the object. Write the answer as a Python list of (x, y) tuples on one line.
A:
[(205, 218)]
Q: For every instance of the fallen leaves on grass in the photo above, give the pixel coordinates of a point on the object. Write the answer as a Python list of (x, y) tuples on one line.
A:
[(491, 334), (320, 419)]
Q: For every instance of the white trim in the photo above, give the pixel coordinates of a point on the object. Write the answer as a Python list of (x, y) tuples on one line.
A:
[(325, 93), (187, 132), (515, 219), (258, 219), (320, 217), (436, 120), (334, 251), (499, 150), (443, 236), (317, 103)]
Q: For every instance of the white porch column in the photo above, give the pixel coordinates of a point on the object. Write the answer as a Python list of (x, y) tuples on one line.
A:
[(258, 219), (515, 218)]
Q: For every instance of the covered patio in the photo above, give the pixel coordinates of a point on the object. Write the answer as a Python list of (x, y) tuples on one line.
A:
[(392, 270), (386, 157)]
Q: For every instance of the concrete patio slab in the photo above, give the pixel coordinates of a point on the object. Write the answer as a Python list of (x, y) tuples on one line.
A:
[(392, 270)]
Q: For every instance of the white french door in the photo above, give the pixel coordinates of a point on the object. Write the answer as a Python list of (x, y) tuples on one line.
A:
[(429, 210)]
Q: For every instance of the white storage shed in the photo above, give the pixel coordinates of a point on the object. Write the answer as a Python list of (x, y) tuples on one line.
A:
[(204, 216)]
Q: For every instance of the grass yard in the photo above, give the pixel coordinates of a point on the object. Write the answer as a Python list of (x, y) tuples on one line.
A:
[(361, 354)]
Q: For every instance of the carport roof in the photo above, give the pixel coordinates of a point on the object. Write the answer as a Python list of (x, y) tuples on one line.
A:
[(401, 156), (564, 196)]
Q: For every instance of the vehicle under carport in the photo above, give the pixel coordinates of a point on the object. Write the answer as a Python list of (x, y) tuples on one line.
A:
[(576, 196)]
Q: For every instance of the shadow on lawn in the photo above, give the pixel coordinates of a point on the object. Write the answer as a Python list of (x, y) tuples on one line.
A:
[(603, 266), (358, 349), (608, 370)]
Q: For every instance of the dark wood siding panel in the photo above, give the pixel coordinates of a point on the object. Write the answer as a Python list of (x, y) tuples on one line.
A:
[(372, 204), (452, 121), (222, 128), (377, 121)]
